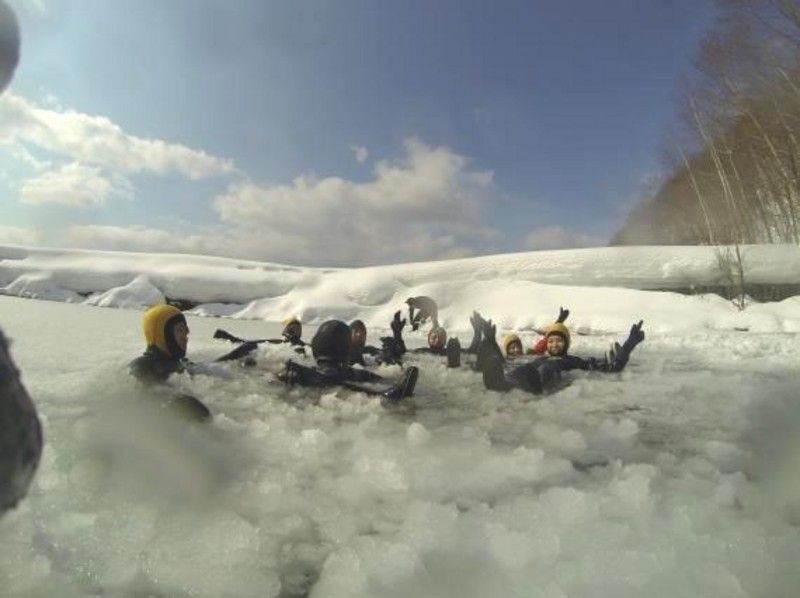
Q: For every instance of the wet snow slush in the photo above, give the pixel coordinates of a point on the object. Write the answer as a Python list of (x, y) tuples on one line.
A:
[(678, 477)]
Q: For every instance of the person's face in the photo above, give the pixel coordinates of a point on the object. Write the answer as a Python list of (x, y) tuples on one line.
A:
[(181, 334), (293, 330), (435, 339), (556, 345), (359, 337), (515, 349)]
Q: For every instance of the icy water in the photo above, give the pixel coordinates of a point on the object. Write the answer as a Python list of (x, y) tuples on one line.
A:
[(679, 477)]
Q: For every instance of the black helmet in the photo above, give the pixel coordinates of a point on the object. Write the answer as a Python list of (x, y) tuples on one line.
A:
[(332, 342)]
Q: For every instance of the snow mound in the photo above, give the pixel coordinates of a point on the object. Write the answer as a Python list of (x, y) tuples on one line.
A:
[(137, 294), (40, 285)]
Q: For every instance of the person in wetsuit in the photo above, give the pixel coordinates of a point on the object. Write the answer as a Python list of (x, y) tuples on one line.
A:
[(392, 347), (437, 341), (167, 335), (426, 309), (331, 348), (544, 373), (292, 331)]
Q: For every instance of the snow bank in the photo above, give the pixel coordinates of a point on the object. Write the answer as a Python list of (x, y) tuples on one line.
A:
[(606, 288), (137, 294)]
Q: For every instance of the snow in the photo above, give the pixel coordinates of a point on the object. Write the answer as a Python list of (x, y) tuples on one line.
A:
[(677, 477), (605, 288), (137, 294)]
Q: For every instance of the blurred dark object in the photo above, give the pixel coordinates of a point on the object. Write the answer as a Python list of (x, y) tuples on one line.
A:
[(9, 44), (20, 433)]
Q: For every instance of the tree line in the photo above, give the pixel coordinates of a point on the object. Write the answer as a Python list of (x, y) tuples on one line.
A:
[(734, 160)]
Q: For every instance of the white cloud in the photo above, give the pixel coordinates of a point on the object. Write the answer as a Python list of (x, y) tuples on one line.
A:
[(427, 205), (76, 185), (557, 237), (244, 243), (360, 152), (18, 235), (138, 238), (96, 140)]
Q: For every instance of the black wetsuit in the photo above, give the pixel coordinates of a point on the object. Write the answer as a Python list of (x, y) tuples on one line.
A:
[(154, 367), (326, 374), (543, 373)]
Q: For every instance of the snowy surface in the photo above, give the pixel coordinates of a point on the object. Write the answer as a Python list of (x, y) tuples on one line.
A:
[(606, 288), (679, 477)]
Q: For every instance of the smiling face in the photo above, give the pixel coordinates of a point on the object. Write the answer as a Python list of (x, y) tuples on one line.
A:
[(514, 349), (556, 345)]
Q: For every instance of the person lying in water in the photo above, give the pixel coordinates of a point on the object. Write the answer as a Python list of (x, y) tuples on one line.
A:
[(512, 343), (331, 347), (166, 335), (392, 347), (437, 341), (543, 374), (292, 331)]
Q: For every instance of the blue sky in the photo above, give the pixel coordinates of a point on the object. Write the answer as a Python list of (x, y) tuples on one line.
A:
[(337, 132)]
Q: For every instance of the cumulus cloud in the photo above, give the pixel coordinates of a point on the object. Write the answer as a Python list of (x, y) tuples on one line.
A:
[(557, 237), (18, 235), (97, 141), (139, 238), (429, 204), (426, 205), (76, 185), (361, 153)]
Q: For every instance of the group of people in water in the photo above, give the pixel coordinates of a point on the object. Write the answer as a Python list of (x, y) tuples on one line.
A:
[(341, 356)]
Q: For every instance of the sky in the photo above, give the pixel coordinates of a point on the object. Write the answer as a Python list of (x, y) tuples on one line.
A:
[(341, 133)]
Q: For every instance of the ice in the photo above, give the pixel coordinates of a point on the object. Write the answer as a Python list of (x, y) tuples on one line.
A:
[(678, 477)]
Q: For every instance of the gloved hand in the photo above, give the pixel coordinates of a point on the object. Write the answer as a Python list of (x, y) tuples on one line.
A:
[(489, 331), (290, 373), (391, 350), (636, 336), (397, 324), (563, 314), (477, 322)]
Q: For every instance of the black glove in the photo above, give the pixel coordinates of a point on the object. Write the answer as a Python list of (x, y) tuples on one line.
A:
[(392, 350), (397, 325), (635, 337), (489, 331), (563, 314), (477, 322), (477, 327), (290, 373)]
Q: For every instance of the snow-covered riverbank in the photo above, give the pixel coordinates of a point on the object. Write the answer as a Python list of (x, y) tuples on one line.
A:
[(606, 288)]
